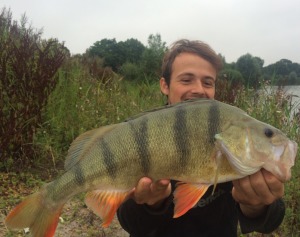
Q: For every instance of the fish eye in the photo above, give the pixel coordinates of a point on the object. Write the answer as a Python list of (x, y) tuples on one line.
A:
[(269, 133)]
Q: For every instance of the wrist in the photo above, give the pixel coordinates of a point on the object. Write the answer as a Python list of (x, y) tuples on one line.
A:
[(252, 211)]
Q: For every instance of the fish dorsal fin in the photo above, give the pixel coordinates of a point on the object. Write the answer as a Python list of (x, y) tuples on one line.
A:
[(105, 203), (167, 106), (148, 111), (83, 142)]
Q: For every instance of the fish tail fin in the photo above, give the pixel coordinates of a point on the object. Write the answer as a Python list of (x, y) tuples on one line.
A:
[(32, 213)]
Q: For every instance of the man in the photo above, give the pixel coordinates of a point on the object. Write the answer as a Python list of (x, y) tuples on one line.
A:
[(189, 71)]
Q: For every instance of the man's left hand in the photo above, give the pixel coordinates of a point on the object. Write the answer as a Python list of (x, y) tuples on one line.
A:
[(255, 192)]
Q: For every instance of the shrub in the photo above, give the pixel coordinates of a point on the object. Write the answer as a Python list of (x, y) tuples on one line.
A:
[(28, 67)]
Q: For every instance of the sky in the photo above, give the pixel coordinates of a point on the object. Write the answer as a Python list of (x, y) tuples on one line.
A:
[(269, 29)]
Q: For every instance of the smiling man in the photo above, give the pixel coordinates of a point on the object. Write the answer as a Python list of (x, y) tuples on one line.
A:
[(190, 71)]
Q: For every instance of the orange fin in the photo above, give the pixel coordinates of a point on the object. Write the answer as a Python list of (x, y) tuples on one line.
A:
[(105, 203), (186, 196), (31, 213)]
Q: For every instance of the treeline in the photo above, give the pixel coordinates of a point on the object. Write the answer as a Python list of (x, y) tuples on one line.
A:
[(249, 70), (133, 60), (130, 58)]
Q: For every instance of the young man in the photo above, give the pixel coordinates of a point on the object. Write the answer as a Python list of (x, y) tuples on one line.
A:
[(189, 71)]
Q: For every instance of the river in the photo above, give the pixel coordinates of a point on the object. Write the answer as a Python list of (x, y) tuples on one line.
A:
[(294, 93)]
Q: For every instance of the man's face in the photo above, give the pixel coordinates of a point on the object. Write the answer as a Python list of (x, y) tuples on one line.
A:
[(192, 77)]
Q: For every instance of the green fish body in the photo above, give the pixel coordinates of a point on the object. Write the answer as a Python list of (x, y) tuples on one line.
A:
[(200, 143)]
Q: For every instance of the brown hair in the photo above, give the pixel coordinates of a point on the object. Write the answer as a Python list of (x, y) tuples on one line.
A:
[(197, 47)]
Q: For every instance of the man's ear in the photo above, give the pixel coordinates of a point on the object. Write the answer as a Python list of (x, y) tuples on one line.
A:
[(164, 88)]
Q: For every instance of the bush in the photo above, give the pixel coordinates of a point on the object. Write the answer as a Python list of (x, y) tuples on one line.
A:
[(28, 66)]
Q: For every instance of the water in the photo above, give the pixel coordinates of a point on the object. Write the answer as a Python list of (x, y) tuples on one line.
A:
[(294, 91)]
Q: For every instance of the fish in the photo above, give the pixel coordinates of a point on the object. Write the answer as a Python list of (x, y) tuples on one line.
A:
[(199, 143)]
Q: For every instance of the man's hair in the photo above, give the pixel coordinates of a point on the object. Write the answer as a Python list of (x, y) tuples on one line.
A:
[(187, 46)]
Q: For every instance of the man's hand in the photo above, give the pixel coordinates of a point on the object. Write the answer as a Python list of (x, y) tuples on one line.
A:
[(255, 192), (151, 193)]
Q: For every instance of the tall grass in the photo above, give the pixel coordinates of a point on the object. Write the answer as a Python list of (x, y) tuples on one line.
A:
[(81, 102)]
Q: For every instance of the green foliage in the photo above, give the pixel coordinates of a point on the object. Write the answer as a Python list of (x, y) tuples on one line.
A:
[(133, 50), (153, 55), (110, 51), (117, 53), (285, 71), (80, 102), (232, 75), (28, 66), (130, 71), (251, 69)]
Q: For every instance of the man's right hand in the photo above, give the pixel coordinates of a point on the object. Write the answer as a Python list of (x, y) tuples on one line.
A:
[(152, 193)]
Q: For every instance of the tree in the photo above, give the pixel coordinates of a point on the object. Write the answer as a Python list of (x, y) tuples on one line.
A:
[(251, 69), (153, 55), (231, 75), (132, 50), (292, 79), (110, 51), (115, 54)]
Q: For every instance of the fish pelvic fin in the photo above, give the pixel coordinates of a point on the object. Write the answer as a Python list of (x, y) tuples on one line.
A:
[(106, 203), (186, 196), (83, 143), (218, 160), (31, 213)]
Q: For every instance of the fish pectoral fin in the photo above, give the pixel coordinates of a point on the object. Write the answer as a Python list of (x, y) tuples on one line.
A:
[(218, 161), (186, 196), (105, 203)]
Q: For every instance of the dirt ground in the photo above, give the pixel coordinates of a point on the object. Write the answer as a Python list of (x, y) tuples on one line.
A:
[(76, 219)]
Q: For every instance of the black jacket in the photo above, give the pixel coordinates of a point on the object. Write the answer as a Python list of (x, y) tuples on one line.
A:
[(214, 215)]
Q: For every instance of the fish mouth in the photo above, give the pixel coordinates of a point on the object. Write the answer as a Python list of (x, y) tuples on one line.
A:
[(284, 161), (293, 146)]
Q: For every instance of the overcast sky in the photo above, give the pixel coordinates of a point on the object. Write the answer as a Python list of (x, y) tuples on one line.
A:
[(269, 29)]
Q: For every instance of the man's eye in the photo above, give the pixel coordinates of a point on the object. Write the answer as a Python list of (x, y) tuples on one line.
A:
[(209, 83), (186, 80)]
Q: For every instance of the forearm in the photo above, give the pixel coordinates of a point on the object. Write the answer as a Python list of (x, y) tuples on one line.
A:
[(268, 220)]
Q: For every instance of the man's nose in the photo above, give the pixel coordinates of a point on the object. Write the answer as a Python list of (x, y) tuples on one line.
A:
[(198, 88)]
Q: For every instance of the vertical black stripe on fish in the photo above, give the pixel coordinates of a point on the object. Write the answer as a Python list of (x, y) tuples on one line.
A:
[(181, 136), (213, 122), (140, 134), (109, 159), (79, 176)]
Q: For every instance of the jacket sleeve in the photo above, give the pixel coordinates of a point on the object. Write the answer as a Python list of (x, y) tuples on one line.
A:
[(266, 223), (140, 220)]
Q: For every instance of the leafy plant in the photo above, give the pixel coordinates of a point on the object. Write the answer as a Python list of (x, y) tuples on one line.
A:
[(28, 67)]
